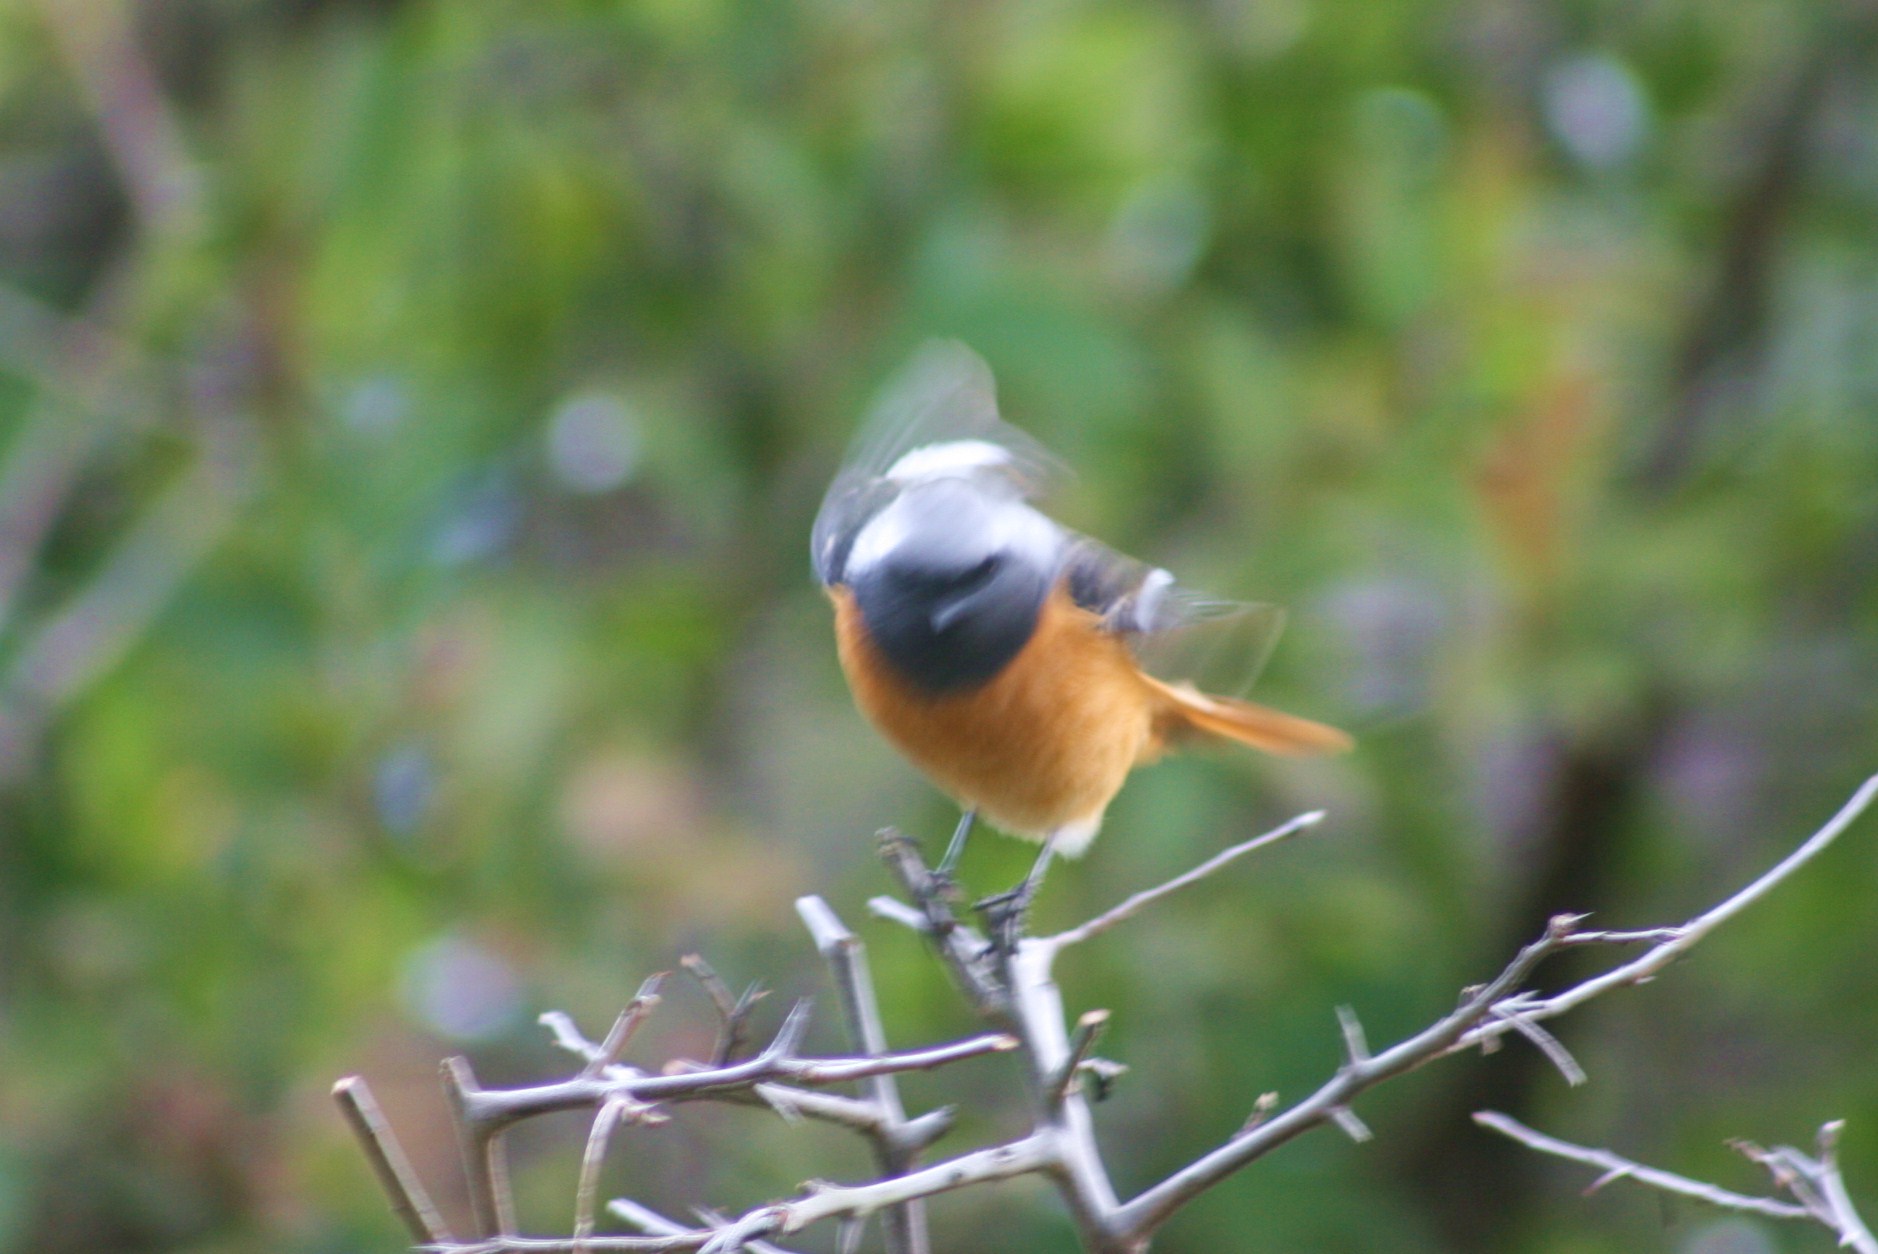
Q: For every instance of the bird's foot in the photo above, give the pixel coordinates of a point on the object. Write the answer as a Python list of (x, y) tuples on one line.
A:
[(1005, 914)]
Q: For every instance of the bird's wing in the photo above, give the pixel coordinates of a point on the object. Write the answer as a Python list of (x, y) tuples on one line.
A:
[(1177, 634), (938, 416)]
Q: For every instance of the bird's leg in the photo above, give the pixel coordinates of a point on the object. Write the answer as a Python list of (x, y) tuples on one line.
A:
[(1004, 912), (955, 848)]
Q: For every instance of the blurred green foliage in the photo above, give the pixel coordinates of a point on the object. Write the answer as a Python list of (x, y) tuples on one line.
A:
[(412, 412)]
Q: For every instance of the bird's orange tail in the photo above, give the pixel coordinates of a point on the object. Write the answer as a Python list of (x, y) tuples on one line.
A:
[(1186, 713)]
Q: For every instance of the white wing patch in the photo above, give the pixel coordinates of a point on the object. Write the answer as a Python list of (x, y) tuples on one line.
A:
[(954, 457)]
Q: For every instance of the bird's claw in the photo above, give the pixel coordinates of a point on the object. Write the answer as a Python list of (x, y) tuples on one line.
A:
[(1004, 914)]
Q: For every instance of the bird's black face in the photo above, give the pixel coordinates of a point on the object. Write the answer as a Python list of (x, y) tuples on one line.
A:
[(954, 587)]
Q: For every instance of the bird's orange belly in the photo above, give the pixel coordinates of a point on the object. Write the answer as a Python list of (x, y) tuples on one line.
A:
[(1043, 746)]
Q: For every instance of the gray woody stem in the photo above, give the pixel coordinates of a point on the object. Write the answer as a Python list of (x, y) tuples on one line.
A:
[(390, 1163), (1012, 986), (847, 960), (1679, 939), (1490, 1012), (1816, 1181)]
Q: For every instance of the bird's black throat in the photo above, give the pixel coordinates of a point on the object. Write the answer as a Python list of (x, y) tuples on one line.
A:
[(949, 634)]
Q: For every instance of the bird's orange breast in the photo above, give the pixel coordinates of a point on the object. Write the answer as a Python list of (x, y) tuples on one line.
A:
[(1045, 744)]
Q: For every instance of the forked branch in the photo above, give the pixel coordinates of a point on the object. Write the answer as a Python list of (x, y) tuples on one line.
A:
[(1010, 984), (1813, 1181)]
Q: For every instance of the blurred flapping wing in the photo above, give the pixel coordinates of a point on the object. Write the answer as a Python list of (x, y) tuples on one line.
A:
[(937, 416)]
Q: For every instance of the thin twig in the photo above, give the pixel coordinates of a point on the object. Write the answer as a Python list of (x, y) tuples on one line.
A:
[(501, 1107), (1852, 1228), (905, 1226), (1031, 1154), (604, 1122), (1547, 1044), (733, 1011), (960, 947), (1355, 1041), (1617, 1167), (1147, 897), (621, 1033), (650, 1221), (1683, 938), (1152, 1208), (140, 132), (1488, 1012), (486, 1177), (389, 1162)]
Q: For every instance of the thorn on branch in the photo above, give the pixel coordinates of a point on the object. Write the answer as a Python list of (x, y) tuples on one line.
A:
[(1088, 1028), (1103, 1073), (1609, 1177), (788, 1039), (1560, 928), (1355, 1044), (567, 1035), (1261, 1109), (1547, 1044), (620, 1034), (894, 910), (1350, 1125), (733, 1012)]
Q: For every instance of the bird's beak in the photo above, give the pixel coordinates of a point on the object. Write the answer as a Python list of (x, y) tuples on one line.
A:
[(946, 615)]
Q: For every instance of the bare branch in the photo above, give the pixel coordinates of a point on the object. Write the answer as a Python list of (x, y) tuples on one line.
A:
[(498, 1108), (135, 121), (650, 1221), (642, 1004), (1488, 1012), (836, 1070), (894, 910), (484, 1171), (905, 1226), (733, 1011), (962, 949), (1133, 905), (1852, 1229), (567, 1034), (1616, 1167), (1152, 1208), (1545, 1043), (389, 1162), (823, 1201), (1060, 1111), (1682, 939), (603, 1124), (1013, 987), (567, 1245)]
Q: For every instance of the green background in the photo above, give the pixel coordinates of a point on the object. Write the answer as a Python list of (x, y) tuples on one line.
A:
[(411, 417)]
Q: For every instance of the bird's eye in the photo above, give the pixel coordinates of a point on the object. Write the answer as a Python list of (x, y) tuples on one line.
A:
[(983, 570)]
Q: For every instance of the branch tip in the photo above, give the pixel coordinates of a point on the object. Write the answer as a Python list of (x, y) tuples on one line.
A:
[(408, 1197)]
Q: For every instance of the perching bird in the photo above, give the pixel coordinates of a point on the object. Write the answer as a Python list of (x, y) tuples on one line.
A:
[(996, 649)]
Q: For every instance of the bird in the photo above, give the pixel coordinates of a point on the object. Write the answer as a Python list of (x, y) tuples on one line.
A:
[(999, 651)]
